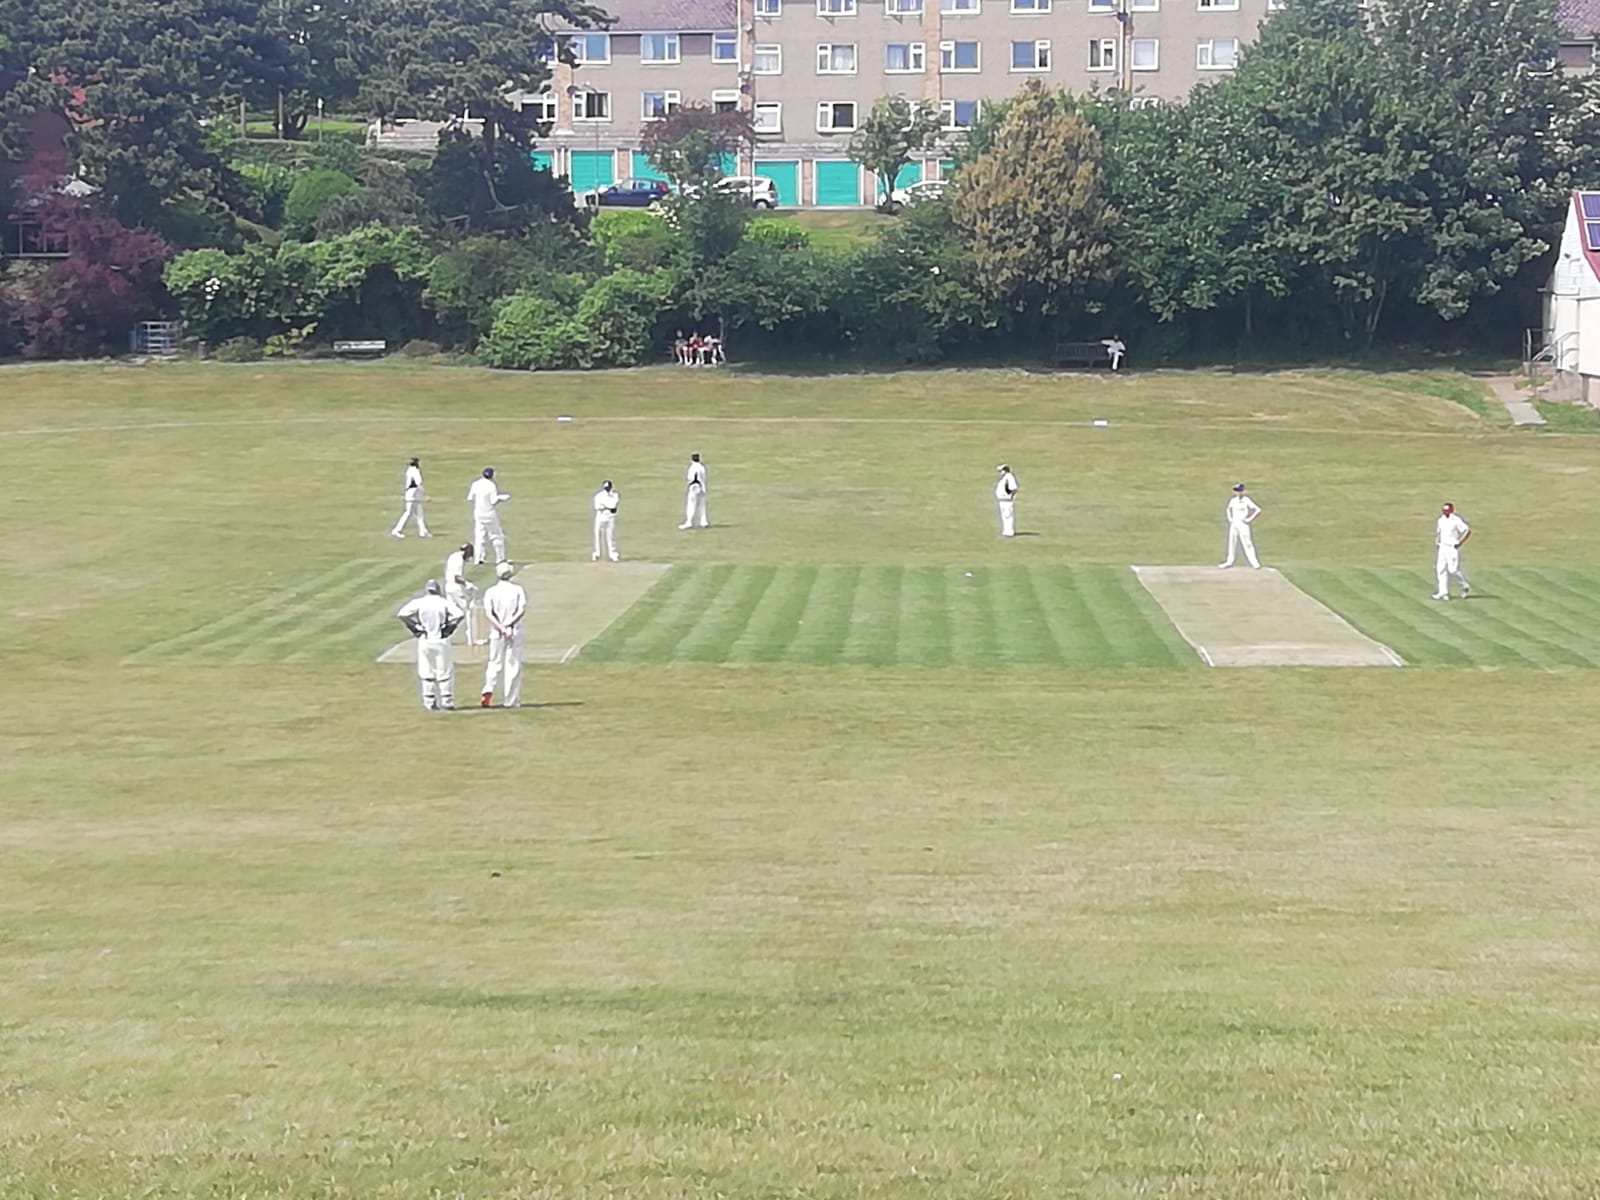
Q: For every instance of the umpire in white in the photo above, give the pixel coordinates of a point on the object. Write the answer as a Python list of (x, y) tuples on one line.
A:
[(504, 604), (432, 619)]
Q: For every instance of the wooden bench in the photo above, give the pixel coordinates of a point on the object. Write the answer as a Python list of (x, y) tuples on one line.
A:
[(1082, 354), (354, 348)]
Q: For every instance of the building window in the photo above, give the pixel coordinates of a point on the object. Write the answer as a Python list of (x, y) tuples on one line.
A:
[(1219, 5), (836, 116), (1030, 6), (590, 49), (904, 58), (1144, 102), (1144, 54), (768, 60), (725, 101), (836, 58), (902, 8), (1102, 6), (658, 48), (30, 239), (1217, 54), (958, 114), (958, 56), (957, 7), (591, 106), (541, 108), (659, 104), (836, 8), (1274, 5), (1102, 54), (1144, 5), (724, 47), (768, 117), (769, 8), (1030, 56)]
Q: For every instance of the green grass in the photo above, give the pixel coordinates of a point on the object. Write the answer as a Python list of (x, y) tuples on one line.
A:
[(770, 905), (839, 229), (1563, 417)]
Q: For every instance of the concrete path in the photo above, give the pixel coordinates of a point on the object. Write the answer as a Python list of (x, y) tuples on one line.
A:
[(1516, 401)]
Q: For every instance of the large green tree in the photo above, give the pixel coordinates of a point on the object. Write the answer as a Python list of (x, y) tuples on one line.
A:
[(895, 129), (691, 144)]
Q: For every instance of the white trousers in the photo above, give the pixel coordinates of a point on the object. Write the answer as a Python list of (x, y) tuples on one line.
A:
[(436, 671), (1008, 517), (466, 599), (413, 509), (1116, 360), (486, 532), (1446, 564), (1240, 538), (505, 661), (694, 508), (605, 535)]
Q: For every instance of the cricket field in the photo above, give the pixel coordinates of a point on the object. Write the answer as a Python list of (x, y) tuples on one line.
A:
[(843, 849)]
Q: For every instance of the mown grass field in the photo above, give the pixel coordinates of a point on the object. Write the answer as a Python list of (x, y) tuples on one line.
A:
[(829, 870)]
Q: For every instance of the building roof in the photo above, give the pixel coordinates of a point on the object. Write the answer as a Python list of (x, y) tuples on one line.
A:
[(670, 16), (1579, 19)]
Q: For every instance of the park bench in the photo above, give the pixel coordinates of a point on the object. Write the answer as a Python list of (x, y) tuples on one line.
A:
[(354, 348), (1082, 354)]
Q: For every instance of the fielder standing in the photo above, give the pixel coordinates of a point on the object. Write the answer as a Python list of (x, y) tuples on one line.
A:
[(1240, 512), (605, 522), (1450, 533), (458, 589), (694, 496), (1005, 499), (504, 604), (486, 498), (432, 619), (412, 495)]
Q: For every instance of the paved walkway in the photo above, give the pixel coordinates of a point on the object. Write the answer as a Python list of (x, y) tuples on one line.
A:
[(1516, 402)]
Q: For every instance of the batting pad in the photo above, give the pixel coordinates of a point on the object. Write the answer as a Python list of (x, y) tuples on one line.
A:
[(569, 605), (1243, 617)]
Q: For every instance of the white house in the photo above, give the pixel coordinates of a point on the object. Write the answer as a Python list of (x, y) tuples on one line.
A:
[(1572, 301)]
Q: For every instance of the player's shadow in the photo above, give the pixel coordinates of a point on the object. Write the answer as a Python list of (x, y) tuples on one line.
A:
[(526, 706)]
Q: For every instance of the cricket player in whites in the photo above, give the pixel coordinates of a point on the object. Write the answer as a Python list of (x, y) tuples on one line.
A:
[(1450, 533), (1005, 499), (694, 496), (412, 495), (458, 589), (1240, 511), (432, 619), (605, 522), (486, 498), (504, 604)]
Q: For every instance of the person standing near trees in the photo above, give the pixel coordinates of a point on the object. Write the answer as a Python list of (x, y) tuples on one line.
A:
[(694, 495)]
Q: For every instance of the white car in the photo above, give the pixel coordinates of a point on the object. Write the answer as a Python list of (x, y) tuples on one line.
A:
[(761, 191), (920, 192)]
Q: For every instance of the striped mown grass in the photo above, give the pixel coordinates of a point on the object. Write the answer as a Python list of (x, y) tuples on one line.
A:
[(890, 615), (1517, 616)]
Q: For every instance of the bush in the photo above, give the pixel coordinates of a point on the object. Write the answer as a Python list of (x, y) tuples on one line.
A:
[(466, 282), (530, 333), (636, 240), (312, 193), (775, 233), (237, 350), (421, 348)]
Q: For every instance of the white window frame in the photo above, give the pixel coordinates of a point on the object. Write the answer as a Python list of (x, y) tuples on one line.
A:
[(902, 8), (770, 49), (1274, 5), (1107, 48), (916, 56), (1144, 102), (670, 100), (1144, 5), (829, 106), (769, 8), (1041, 56), (1030, 8), (1205, 53), (576, 44), (725, 96), (825, 53), (949, 48), (1217, 5), (1102, 6), (579, 104), (947, 115), (775, 108), (960, 8), (672, 43), (836, 8), (543, 106), (1133, 57), (727, 41)]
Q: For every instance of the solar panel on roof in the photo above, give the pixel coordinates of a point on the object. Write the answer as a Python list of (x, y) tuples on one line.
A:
[(1591, 234), (1591, 205)]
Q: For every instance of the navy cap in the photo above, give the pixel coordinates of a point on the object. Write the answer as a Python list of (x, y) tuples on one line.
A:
[(1238, 487)]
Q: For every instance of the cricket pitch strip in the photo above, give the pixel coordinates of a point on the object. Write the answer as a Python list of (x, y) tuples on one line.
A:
[(569, 605), (1256, 618)]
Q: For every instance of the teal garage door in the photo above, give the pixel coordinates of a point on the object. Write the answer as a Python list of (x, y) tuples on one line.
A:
[(838, 184), (730, 164), (786, 175), (947, 168), (592, 169), (909, 174), (542, 160), (642, 168)]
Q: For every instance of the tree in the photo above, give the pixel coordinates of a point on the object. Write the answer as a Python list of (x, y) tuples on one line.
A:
[(692, 143), (1034, 209), (894, 131)]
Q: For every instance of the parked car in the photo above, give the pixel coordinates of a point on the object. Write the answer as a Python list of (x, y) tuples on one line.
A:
[(625, 193), (920, 192), (761, 191)]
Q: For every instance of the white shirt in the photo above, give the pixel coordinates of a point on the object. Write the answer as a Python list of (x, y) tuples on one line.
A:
[(1006, 488), (696, 474), (506, 603), (455, 567), (1241, 510), (413, 481), (484, 496), (1449, 530), (605, 503), (433, 613)]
